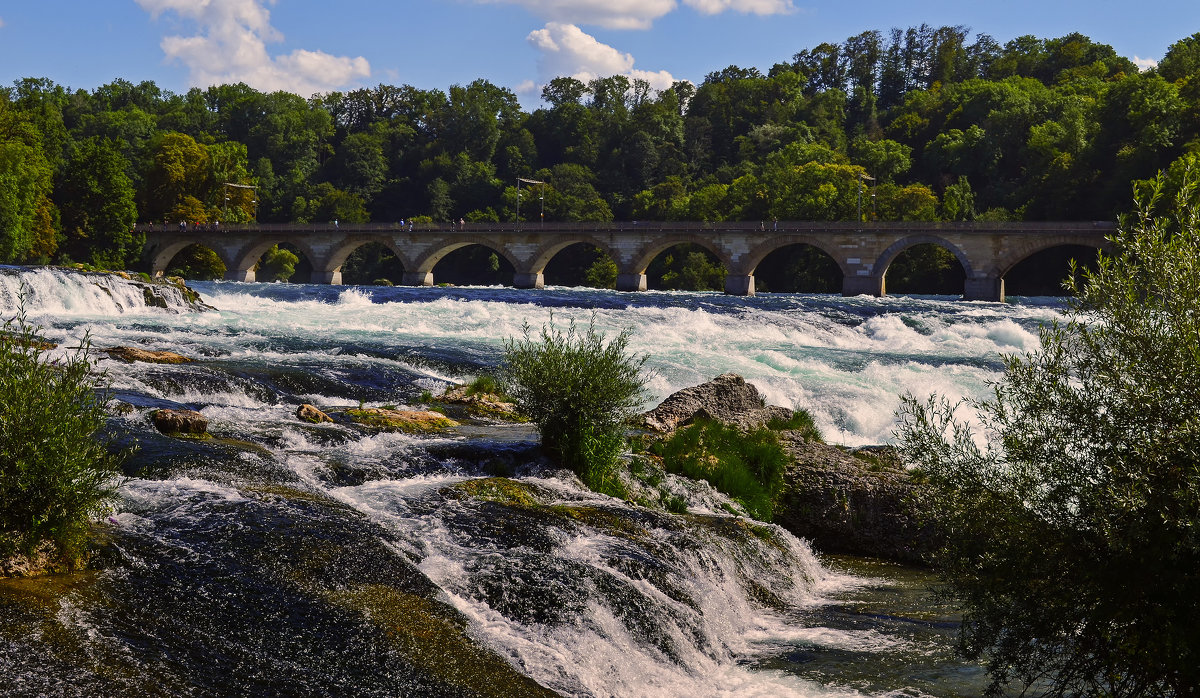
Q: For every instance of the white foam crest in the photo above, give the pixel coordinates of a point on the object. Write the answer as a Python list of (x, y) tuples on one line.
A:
[(56, 292)]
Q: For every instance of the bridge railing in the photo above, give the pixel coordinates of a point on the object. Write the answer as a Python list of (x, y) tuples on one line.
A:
[(794, 227)]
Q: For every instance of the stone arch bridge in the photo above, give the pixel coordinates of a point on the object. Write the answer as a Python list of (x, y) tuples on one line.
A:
[(987, 251)]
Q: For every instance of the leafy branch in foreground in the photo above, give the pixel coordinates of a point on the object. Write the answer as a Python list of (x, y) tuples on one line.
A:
[(55, 475), (1072, 519), (580, 392)]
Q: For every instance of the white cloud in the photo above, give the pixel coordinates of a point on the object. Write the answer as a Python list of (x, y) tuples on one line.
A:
[(568, 51), (638, 14), (748, 7), (612, 14), (231, 46), (1145, 63)]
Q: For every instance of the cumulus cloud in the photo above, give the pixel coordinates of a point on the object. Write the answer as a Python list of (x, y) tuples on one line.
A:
[(638, 14), (568, 50), (231, 46), (1145, 63)]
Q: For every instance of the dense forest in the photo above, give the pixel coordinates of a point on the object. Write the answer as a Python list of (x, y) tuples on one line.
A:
[(947, 127)]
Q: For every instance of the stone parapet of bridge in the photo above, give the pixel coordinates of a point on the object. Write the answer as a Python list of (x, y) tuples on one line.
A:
[(863, 252)]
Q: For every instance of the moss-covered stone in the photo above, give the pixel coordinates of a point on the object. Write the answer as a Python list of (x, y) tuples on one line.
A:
[(407, 421), (435, 640)]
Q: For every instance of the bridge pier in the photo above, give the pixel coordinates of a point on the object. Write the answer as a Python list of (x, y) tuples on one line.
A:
[(239, 274), (987, 288), (417, 278), (631, 282), (529, 280), (739, 284), (333, 278), (862, 285)]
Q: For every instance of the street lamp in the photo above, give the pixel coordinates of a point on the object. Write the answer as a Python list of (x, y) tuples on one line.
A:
[(253, 197), (529, 181), (863, 177)]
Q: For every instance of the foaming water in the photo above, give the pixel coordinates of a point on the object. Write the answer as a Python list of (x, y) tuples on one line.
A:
[(585, 594), (846, 360), (54, 292)]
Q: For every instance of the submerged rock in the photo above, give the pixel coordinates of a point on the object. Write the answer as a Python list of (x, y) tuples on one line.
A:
[(312, 415), (132, 354), (410, 421), (728, 398), (188, 422), (858, 503)]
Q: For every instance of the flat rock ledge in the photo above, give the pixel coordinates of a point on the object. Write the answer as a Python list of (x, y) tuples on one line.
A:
[(132, 354), (728, 398), (481, 404), (858, 503), (409, 421)]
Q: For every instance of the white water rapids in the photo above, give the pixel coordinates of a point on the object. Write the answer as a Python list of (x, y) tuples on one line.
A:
[(846, 361)]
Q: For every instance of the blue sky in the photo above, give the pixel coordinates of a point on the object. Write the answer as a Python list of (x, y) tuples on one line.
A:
[(308, 46)]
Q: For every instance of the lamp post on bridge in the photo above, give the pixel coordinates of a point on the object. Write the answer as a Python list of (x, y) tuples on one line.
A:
[(864, 177), (253, 197), (517, 217)]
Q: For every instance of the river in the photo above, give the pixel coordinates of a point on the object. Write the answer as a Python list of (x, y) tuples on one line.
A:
[(289, 559)]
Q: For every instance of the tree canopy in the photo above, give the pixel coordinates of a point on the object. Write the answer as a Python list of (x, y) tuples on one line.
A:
[(948, 125)]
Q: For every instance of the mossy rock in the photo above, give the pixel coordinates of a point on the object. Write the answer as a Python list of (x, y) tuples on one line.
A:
[(407, 421), (435, 639), (501, 490)]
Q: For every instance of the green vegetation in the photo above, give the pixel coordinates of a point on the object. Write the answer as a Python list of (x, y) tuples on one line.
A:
[(580, 392), (278, 264), (746, 466), (56, 476), (485, 384), (951, 127), (801, 421), (1070, 516)]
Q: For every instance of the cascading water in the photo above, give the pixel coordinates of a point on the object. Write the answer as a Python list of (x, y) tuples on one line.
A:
[(282, 557)]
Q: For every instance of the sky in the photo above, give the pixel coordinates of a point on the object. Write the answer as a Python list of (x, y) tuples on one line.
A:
[(309, 46)]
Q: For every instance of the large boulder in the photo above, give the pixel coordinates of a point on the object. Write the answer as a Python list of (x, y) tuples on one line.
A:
[(186, 422), (858, 503), (728, 398)]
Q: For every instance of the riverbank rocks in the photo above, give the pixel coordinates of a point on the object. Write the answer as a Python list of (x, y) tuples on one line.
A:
[(858, 503), (728, 398), (409, 421), (132, 354), (481, 404), (312, 415), (180, 422)]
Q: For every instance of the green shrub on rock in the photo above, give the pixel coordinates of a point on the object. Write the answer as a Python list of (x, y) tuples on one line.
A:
[(579, 391), (55, 475), (1072, 518)]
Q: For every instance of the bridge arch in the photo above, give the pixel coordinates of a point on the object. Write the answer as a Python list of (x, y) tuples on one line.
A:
[(250, 254), (541, 258), (444, 246), (651, 249), (162, 257), (760, 252), (340, 253), (1020, 253), (885, 258)]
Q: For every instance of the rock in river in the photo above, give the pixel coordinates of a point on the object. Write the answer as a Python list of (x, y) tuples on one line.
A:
[(728, 398), (187, 422), (131, 354)]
